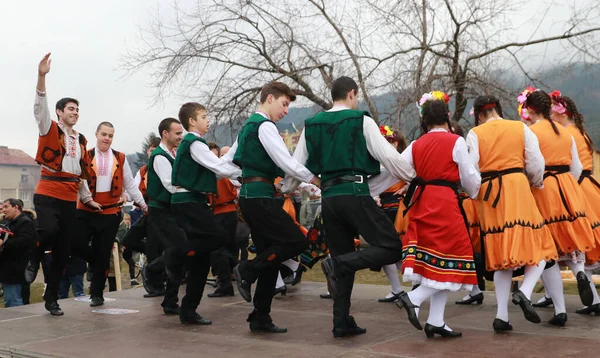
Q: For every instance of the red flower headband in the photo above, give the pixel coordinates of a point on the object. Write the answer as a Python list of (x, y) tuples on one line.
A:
[(559, 105)]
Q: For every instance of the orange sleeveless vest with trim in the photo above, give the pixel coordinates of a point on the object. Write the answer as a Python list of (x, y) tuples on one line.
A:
[(501, 145), (144, 182), (116, 185), (226, 194), (52, 149)]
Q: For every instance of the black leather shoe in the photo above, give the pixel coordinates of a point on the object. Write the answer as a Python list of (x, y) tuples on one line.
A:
[(430, 331), (280, 290), (545, 303), (244, 286), (325, 295), (350, 328), (518, 298), (154, 294), (298, 276), (222, 292), (501, 326), (97, 301), (393, 298), (478, 298), (31, 271), (593, 309), (171, 310), (404, 302), (194, 318), (584, 288), (329, 270), (558, 320), (54, 308), (266, 327)]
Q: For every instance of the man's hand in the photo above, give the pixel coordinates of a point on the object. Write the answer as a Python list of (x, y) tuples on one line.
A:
[(123, 199), (145, 210), (377, 201), (94, 205), (402, 190), (1, 243), (44, 66), (317, 181)]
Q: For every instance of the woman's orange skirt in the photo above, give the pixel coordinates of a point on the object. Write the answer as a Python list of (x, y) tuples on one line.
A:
[(470, 207), (401, 222), (514, 231), (591, 193)]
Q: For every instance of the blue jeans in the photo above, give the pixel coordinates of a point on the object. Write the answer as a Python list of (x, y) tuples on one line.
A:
[(12, 295), (71, 281)]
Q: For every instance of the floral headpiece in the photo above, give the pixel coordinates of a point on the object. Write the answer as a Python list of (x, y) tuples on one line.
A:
[(386, 131), (432, 96), (559, 105), (522, 98)]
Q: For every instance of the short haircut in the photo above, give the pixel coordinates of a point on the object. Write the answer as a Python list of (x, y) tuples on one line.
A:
[(154, 142), (213, 145), (165, 125), (341, 86), (15, 202), (187, 111), (277, 89), (108, 124), (62, 103)]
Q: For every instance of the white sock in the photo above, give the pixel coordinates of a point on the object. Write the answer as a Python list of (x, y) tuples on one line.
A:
[(437, 306), (530, 278), (588, 273), (419, 295), (554, 288), (280, 282), (575, 267), (293, 265), (546, 294), (502, 283), (391, 272)]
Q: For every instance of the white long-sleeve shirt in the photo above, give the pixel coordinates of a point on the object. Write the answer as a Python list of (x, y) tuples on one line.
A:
[(271, 140), (576, 167), (163, 169), (377, 146), (534, 160)]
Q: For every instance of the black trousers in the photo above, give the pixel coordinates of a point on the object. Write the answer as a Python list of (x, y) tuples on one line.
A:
[(100, 230), (345, 217), (277, 238), (225, 259), (134, 238), (204, 236), (56, 228), (163, 232)]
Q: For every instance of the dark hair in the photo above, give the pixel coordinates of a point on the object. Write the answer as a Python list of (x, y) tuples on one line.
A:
[(154, 142), (578, 120), (15, 202), (457, 128), (540, 102), (484, 105), (108, 124), (435, 113), (213, 145), (187, 111), (341, 86), (277, 89), (401, 141), (165, 125), (62, 103)]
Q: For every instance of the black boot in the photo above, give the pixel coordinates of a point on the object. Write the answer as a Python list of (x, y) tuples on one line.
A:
[(263, 323), (54, 308), (243, 281), (584, 288), (328, 267), (558, 320), (97, 301)]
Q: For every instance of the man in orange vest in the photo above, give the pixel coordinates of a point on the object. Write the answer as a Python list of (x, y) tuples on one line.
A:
[(224, 205), (61, 153), (110, 178)]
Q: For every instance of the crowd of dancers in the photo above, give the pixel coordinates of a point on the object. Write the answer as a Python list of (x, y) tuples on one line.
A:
[(513, 198)]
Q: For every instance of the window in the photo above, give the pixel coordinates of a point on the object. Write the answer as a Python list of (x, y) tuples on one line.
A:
[(24, 195), (24, 178)]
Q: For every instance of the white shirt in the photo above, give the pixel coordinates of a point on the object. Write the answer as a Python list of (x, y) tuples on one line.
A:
[(470, 178), (271, 140), (377, 146), (534, 160), (163, 168), (70, 164)]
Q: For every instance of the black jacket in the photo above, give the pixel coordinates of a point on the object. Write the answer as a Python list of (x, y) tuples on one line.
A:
[(16, 250)]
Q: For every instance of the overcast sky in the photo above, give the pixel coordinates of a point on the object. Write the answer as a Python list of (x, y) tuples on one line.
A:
[(86, 40)]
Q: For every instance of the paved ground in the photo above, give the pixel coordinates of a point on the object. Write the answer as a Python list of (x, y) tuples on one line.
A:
[(30, 332)]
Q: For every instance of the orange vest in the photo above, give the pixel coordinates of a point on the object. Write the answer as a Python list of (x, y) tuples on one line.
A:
[(585, 154), (501, 145), (143, 182), (116, 185), (224, 200), (556, 149), (52, 149)]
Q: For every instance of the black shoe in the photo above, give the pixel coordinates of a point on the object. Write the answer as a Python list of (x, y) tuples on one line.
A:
[(171, 310), (325, 295), (154, 294), (593, 309), (394, 298), (350, 328), (97, 301), (280, 290), (298, 276), (518, 298), (222, 292), (134, 282), (478, 298), (558, 320), (194, 318), (31, 271), (243, 286), (545, 303), (329, 270), (404, 302), (266, 327), (149, 286), (430, 331), (584, 288), (54, 308), (501, 326)]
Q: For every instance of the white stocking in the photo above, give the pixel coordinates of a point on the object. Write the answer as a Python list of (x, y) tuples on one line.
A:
[(530, 278), (554, 288), (502, 283), (420, 294), (391, 272), (280, 282), (293, 265), (437, 306)]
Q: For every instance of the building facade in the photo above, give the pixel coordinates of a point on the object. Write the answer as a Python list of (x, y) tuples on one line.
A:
[(19, 174)]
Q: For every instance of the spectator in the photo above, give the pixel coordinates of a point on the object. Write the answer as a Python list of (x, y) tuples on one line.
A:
[(73, 278), (15, 251)]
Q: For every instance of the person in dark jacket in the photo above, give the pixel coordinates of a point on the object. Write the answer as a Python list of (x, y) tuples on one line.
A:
[(15, 251)]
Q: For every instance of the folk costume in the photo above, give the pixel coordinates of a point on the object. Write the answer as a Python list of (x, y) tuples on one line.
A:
[(469, 207), (345, 146), (134, 238)]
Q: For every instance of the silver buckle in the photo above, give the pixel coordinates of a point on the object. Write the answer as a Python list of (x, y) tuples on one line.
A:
[(362, 179)]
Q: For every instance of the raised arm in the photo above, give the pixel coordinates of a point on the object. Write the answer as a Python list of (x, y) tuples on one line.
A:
[(40, 106)]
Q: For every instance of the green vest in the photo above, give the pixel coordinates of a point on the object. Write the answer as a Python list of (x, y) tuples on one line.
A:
[(190, 175), (158, 196), (252, 157), (336, 147)]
